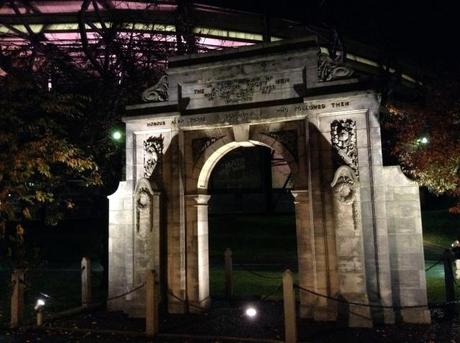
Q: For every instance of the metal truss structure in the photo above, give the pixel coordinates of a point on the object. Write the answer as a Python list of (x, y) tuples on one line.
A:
[(100, 32)]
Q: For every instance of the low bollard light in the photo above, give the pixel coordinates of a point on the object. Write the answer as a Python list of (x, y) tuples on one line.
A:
[(39, 310), (251, 312)]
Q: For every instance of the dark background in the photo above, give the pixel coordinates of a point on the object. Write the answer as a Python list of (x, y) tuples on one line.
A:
[(424, 31)]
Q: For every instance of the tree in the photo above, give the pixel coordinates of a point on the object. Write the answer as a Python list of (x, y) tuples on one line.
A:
[(39, 164), (48, 135), (427, 137)]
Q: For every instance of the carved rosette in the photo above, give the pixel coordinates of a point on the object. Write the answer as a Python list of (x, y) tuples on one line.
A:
[(343, 138), (288, 139), (158, 92), (153, 155), (199, 145), (331, 70)]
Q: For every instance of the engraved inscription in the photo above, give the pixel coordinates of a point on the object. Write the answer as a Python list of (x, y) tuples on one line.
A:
[(156, 123), (241, 90)]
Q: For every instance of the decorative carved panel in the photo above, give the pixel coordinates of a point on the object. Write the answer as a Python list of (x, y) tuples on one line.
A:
[(147, 230), (345, 188), (288, 139), (153, 155), (158, 92), (343, 138), (331, 70), (199, 145)]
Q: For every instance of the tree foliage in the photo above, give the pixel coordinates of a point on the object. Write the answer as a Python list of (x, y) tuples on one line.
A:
[(427, 137), (55, 141), (40, 165)]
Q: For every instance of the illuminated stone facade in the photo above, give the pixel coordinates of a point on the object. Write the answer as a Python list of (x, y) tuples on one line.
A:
[(358, 223)]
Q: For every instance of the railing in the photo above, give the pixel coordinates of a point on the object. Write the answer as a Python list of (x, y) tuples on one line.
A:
[(286, 283)]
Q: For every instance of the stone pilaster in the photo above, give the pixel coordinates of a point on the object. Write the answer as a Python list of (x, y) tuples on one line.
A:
[(305, 252), (146, 239), (350, 250), (197, 251), (120, 245)]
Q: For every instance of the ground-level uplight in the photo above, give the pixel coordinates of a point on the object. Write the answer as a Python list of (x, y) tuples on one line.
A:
[(250, 312)]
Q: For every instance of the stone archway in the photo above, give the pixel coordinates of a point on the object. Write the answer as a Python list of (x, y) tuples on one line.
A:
[(327, 130), (288, 140)]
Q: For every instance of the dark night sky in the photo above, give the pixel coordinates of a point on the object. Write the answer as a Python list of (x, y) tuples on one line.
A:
[(425, 31)]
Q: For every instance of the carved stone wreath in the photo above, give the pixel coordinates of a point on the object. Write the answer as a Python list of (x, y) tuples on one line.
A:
[(343, 138), (143, 198), (344, 185), (330, 70), (153, 154)]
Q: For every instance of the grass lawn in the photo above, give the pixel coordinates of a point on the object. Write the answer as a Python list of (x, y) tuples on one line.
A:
[(263, 284), (440, 227), (254, 238), (62, 286)]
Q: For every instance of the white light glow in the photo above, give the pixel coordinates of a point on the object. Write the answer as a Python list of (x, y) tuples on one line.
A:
[(40, 303), (116, 135), (251, 312)]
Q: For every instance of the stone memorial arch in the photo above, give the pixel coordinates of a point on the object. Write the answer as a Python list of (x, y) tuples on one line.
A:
[(358, 225)]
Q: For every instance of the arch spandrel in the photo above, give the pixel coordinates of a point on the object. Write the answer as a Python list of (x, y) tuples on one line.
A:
[(276, 139)]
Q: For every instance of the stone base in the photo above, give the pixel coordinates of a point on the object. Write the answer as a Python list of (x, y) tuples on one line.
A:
[(323, 314), (177, 307), (416, 316), (354, 315), (199, 307), (389, 316), (359, 317), (306, 311)]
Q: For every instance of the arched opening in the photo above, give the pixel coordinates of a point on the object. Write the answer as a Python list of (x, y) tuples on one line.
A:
[(250, 211)]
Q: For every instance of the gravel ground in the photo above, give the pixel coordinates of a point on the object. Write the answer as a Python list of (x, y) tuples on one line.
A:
[(228, 320)]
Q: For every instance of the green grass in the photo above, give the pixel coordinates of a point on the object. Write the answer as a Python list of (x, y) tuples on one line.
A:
[(254, 238), (440, 227), (246, 284), (63, 287), (435, 289)]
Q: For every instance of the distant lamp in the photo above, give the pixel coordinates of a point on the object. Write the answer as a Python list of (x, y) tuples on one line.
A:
[(423, 140), (117, 135), (250, 312), (50, 84)]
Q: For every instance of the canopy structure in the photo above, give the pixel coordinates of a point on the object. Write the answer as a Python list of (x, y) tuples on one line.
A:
[(83, 29)]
